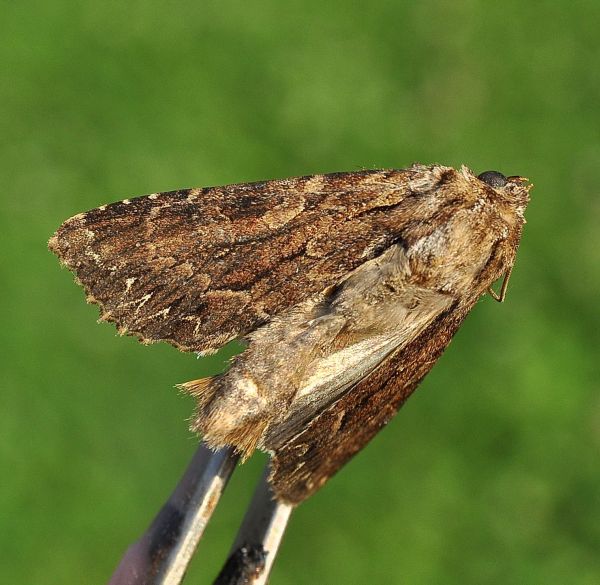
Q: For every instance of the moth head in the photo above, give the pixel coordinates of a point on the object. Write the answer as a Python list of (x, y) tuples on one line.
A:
[(513, 188)]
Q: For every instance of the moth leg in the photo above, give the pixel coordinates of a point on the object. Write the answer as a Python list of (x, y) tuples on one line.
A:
[(502, 295)]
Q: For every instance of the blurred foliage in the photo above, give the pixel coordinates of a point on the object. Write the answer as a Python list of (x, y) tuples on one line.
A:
[(490, 473)]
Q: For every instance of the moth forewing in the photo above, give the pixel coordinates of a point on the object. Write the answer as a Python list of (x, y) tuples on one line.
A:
[(304, 463), (346, 288)]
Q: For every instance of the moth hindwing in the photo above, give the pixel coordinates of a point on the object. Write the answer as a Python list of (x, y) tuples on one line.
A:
[(346, 288)]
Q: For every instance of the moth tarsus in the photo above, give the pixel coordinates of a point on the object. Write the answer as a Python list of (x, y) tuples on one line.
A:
[(346, 287)]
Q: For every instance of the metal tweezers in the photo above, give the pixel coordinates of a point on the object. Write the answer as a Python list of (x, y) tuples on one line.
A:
[(162, 554)]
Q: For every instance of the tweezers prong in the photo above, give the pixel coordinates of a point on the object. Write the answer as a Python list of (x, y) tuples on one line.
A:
[(161, 556), (258, 539)]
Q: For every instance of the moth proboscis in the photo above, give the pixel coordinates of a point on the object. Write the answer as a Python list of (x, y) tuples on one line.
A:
[(345, 287)]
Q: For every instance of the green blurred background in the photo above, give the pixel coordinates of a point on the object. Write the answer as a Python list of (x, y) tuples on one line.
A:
[(490, 474)]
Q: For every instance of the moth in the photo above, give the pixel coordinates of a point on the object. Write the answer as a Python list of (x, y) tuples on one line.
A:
[(345, 289)]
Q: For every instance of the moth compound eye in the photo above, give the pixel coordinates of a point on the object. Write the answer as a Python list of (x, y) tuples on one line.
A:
[(493, 178)]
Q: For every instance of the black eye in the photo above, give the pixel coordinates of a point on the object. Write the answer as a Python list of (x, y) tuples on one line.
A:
[(493, 178)]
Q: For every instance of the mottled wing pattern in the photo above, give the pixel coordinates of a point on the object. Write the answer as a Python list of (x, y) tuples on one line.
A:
[(199, 267)]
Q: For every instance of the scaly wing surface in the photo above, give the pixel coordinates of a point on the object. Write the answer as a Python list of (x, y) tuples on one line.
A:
[(199, 267)]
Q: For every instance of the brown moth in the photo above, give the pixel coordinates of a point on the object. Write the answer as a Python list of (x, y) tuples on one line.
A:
[(346, 288)]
